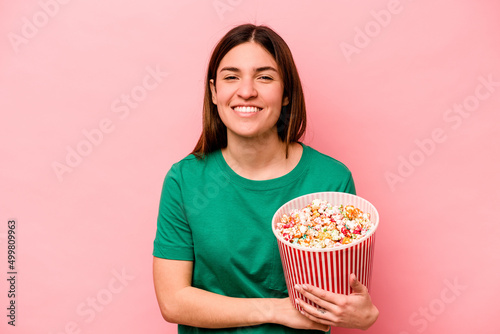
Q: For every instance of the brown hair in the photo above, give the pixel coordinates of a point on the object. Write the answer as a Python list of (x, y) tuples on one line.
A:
[(292, 121)]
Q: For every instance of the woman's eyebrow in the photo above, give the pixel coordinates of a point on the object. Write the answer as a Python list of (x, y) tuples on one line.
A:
[(259, 69), (229, 68), (265, 68)]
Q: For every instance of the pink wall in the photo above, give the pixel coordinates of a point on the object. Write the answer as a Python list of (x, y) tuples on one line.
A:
[(398, 90)]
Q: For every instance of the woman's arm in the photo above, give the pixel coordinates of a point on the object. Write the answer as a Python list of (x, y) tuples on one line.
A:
[(352, 311), (183, 304)]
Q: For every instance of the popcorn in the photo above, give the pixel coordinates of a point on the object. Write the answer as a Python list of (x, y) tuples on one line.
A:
[(321, 225)]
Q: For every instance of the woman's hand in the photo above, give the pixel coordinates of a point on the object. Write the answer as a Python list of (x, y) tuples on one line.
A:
[(352, 311), (286, 314)]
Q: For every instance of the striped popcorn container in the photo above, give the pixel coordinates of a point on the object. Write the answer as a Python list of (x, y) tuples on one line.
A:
[(327, 268)]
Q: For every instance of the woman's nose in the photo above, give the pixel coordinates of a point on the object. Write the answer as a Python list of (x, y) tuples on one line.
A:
[(247, 90)]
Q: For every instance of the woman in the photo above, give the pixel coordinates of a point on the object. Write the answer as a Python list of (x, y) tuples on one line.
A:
[(216, 262)]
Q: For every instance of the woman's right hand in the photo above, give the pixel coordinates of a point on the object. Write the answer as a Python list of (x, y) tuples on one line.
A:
[(285, 314)]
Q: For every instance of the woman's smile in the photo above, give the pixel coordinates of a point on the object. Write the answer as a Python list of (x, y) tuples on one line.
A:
[(246, 109)]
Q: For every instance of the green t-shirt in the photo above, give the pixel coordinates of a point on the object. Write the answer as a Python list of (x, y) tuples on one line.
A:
[(212, 216)]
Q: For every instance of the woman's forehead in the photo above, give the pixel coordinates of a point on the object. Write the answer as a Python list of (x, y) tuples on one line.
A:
[(247, 56)]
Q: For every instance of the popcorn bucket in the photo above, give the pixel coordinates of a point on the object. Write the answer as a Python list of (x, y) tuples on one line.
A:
[(327, 268)]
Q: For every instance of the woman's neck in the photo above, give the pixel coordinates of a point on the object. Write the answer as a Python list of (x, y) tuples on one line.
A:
[(261, 158)]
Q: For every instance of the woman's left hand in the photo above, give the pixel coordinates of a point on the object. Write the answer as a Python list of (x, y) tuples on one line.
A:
[(352, 311)]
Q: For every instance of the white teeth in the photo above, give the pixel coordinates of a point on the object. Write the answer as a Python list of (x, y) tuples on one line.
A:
[(246, 109)]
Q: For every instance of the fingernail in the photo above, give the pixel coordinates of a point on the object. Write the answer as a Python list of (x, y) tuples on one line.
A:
[(297, 287), (305, 287), (297, 300)]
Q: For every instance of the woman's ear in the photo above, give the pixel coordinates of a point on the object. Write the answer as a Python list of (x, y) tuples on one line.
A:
[(214, 92), (285, 101)]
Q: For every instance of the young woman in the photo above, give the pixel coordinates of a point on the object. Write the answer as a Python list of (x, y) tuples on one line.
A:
[(216, 261)]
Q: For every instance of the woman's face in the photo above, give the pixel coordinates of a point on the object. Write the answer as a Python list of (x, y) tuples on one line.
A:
[(248, 91)]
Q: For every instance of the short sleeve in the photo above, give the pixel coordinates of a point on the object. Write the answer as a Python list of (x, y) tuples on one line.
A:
[(349, 187), (173, 239)]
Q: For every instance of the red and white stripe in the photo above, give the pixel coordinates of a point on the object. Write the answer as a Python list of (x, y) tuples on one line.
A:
[(327, 268)]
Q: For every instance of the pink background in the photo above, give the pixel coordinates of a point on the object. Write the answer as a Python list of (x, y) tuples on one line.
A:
[(381, 80)]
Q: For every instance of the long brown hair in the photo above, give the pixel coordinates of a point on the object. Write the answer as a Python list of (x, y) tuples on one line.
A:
[(292, 121)]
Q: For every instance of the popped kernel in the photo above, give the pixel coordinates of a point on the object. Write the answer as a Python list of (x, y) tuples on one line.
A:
[(321, 225)]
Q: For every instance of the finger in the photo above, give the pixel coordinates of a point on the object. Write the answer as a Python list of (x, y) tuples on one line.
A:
[(317, 300), (323, 298), (323, 307), (316, 314), (357, 286)]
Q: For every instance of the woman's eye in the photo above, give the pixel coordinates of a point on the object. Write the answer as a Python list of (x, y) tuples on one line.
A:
[(265, 77), (230, 77)]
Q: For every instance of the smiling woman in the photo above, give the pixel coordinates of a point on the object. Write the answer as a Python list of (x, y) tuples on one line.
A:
[(276, 57), (216, 264), (248, 92)]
